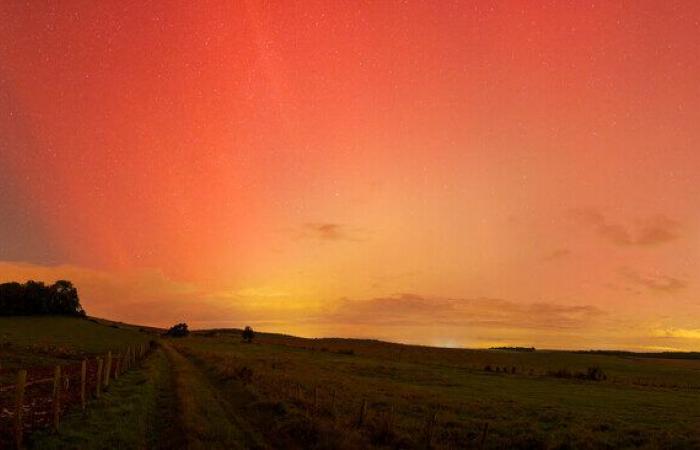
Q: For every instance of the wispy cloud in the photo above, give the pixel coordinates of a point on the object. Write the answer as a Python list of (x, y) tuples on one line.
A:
[(411, 309), (557, 254), (651, 231), (654, 282), (328, 231), (672, 332)]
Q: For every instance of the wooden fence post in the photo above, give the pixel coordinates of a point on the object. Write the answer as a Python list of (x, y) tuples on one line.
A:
[(108, 369), (429, 428), (56, 397), (19, 400), (315, 399), (117, 368), (363, 414), (98, 389), (483, 435), (83, 376)]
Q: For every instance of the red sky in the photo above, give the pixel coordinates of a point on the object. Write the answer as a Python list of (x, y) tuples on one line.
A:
[(462, 174)]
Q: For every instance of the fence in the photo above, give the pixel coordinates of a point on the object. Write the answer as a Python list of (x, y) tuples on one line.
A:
[(344, 408), (41, 395)]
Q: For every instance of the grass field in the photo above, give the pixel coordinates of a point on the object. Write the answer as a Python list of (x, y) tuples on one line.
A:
[(37, 341), (320, 385), (211, 390)]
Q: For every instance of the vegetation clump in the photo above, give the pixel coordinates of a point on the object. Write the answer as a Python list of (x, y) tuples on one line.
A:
[(248, 334), (515, 349), (36, 298), (179, 330), (592, 374)]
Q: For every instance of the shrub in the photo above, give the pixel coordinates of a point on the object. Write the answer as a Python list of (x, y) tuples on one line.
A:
[(248, 334), (561, 373), (349, 352), (179, 330), (596, 374)]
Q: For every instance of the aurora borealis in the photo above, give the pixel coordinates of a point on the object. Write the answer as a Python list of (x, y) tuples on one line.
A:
[(447, 173)]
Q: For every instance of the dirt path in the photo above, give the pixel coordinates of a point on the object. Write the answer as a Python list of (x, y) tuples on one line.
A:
[(165, 404), (205, 417), (164, 427)]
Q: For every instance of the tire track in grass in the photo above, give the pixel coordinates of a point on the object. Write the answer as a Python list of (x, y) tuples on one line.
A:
[(204, 420), (165, 425), (138, 411)]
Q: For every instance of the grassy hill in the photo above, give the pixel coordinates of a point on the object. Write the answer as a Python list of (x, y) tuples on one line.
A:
[(49, 340), (211, 390)]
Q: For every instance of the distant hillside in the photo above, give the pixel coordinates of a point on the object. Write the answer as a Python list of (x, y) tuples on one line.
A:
[(336, 342), (657, 355)]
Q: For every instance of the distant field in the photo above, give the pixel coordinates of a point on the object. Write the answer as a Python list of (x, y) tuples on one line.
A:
[(319, 386), (211, 390)]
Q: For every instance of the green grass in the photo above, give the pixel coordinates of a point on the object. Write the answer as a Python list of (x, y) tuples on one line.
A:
[(138, 411), (205, 422), (283, 392), (47, 340), (643, 404)]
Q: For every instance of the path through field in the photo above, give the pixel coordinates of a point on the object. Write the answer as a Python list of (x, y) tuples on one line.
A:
[(209, 420), (168, 403)]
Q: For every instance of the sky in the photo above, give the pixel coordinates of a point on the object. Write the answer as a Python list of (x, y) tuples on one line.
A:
[(443, 173)]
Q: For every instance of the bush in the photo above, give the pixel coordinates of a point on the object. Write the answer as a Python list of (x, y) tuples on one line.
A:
[(248, 334), (561, 373), (596, 374), (179, 330), (349, 352), (592, 374)]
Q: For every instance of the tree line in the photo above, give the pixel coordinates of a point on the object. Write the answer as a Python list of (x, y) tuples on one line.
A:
[(35, 298)]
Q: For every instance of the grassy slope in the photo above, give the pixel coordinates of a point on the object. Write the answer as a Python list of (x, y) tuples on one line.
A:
[(522, 410), (47, 340)]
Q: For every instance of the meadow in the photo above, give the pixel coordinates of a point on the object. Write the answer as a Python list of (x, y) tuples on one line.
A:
[(337, 393), (212, 390)]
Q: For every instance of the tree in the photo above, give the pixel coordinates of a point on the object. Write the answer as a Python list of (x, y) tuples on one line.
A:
[(248, 334), (179, 330), (35, 297)]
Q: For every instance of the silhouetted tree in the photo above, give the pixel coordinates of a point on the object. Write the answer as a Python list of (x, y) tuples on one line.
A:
[(179, 330), (34, 297), (248, 334)]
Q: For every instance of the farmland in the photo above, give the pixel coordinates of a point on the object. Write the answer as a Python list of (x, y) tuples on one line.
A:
[(212, 390)]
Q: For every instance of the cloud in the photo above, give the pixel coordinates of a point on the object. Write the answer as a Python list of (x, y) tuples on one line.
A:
[(326, 231), (557, 254), (672, 332), (651, 231), (654, 282), (416, 310)]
